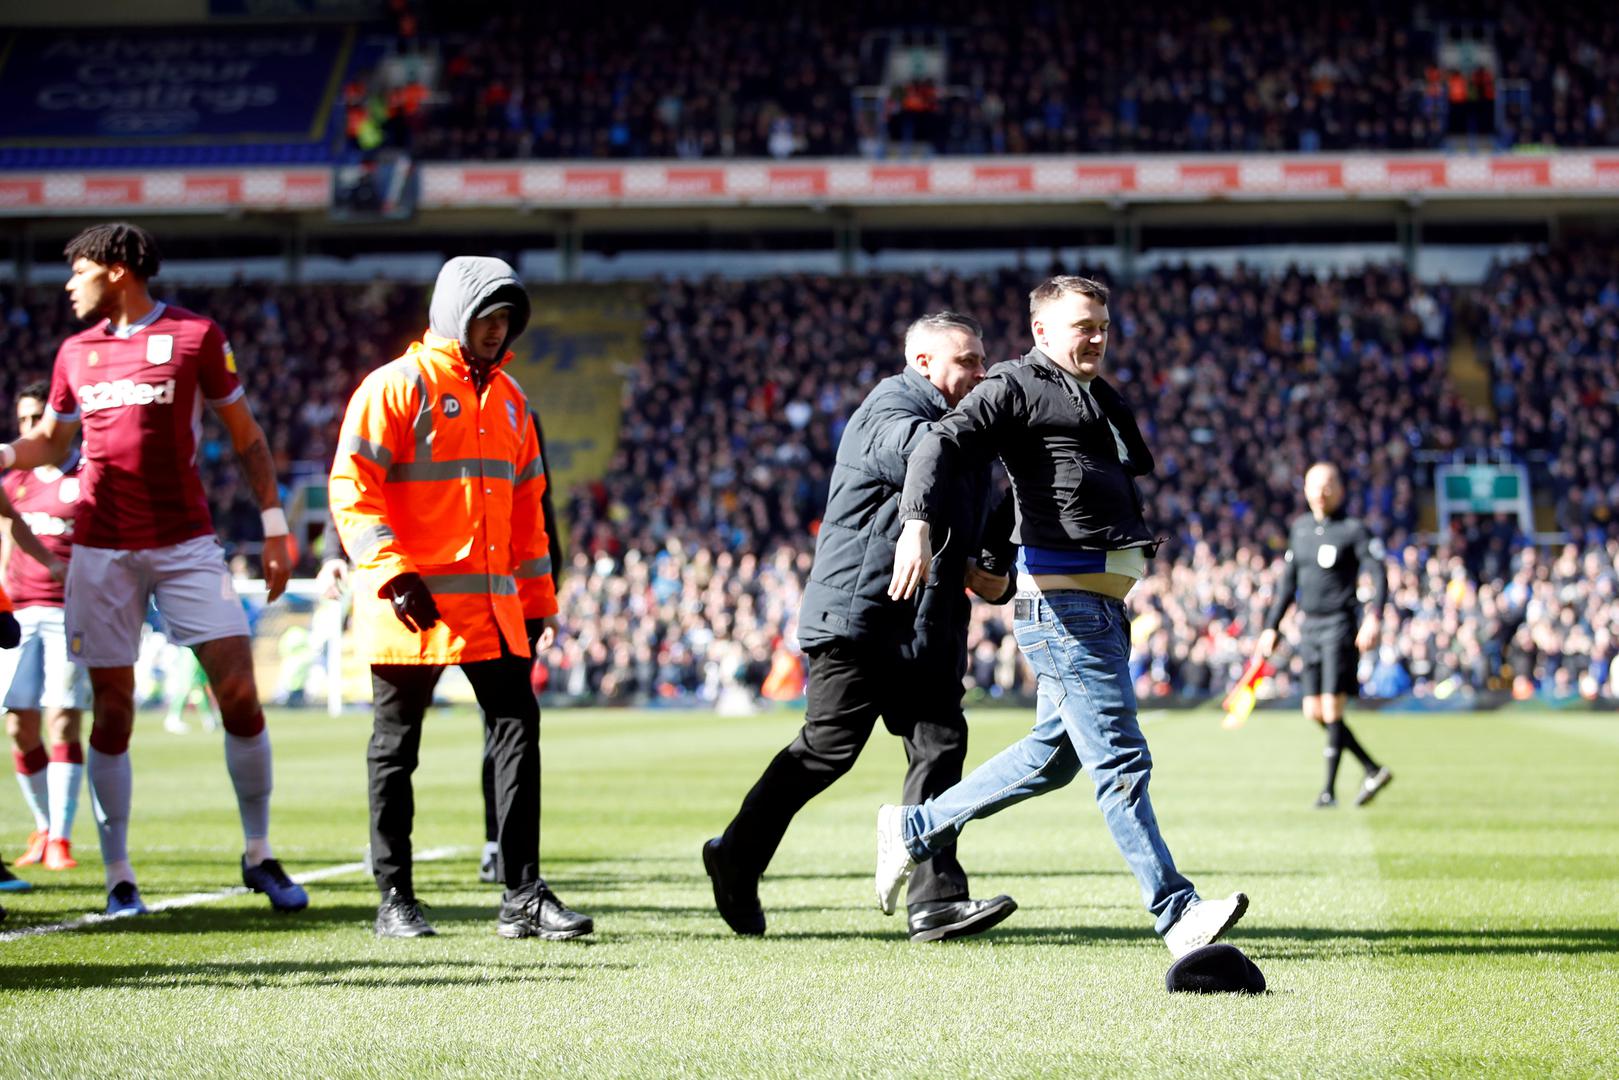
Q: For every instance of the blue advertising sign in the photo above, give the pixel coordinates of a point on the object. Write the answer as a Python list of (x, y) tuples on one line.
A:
[(71, 87)]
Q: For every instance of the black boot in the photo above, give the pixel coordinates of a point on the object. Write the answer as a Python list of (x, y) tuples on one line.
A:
[(401, 916), (535, 911), (736, 894)]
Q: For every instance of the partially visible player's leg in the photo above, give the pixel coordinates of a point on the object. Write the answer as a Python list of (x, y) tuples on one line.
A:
[(31, 762), (107, 591), (228, 663), (197, 600), (62, 777), (107, 767), (66, 696)]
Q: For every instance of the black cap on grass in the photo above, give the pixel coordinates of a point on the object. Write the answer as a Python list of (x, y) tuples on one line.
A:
[(1215, 969)]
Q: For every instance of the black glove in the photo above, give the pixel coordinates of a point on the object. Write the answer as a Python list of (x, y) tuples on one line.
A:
[(10, 632), (533, 628), (413, 604)]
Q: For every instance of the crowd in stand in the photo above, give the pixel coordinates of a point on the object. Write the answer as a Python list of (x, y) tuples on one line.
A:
[(719, 80), (1553, 326), (731, 420), (688, 557)]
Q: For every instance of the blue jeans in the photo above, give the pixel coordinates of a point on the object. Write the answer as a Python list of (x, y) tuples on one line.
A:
[(1078, 644)]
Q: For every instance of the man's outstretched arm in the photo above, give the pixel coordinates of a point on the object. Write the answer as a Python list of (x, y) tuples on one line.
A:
[(47, 444), (253, 451)]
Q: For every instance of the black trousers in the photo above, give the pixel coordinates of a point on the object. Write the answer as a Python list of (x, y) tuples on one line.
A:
[(402, 693), (849, 688)]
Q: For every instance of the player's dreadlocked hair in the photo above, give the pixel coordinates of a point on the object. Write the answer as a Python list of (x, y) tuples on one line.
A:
[(117, 242)]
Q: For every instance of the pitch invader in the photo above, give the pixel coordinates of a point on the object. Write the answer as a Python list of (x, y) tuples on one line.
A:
[(45, 693), (135, 382), (1326, 553)]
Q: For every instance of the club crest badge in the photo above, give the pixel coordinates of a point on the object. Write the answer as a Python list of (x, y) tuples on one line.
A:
[(76, 645), (1327, 556), (159, 348)]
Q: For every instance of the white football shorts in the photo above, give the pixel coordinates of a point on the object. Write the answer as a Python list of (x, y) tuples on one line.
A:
[(108, 589), (37, 673)]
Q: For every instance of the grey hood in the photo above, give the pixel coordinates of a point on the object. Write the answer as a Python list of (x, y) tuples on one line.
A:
[(466, 285)]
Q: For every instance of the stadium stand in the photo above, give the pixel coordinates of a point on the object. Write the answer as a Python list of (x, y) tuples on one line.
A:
[(714, 81), (469, 82)]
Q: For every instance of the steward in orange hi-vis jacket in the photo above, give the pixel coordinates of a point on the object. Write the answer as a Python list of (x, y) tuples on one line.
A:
[(436, 494), (440, 477)]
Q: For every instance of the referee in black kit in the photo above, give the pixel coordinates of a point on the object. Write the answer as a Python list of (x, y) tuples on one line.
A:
[(1326, 552)]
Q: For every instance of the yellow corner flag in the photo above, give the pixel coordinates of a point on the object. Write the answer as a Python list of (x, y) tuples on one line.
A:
[(1240, 702)]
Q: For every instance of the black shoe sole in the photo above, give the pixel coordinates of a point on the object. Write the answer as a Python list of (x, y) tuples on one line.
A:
[(977, 924), (516, 931), (711, 864), (429, 932)]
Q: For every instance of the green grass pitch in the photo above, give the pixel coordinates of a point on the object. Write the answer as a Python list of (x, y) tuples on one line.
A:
[(1463, 925)]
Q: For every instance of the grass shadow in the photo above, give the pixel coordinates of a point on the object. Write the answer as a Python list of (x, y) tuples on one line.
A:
[(427, 972)]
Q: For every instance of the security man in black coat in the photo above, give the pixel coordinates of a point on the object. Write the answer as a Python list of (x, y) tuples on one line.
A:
[(871, 656), (1327, 551)]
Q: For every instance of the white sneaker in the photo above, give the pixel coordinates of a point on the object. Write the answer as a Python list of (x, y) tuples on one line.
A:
[(175, 725), (1204, 923), (894, 862)]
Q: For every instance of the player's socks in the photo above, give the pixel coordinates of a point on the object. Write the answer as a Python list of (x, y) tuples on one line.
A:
[(31, 778), (247, 759), (1352, 744), (119, 871), (1333, 752), (110, 783), (62, 778)]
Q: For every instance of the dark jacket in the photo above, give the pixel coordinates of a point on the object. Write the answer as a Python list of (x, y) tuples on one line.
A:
[(553, 521), (1072, 490), (847, 595)]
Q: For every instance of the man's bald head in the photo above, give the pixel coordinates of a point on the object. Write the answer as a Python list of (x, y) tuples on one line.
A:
[(1323, 488)]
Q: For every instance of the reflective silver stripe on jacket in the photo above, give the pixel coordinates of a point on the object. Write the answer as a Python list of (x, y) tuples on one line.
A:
[(471, 584), (455, 469)]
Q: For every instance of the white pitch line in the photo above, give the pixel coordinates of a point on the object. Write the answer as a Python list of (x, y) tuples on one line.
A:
[(195, 899)]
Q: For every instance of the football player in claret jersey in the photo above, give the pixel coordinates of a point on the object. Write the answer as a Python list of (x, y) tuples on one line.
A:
[(136, 382), (37, 681)]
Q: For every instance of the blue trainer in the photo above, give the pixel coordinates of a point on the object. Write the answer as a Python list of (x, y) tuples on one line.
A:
[(125, 899), (10, 882), (268, 878)]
